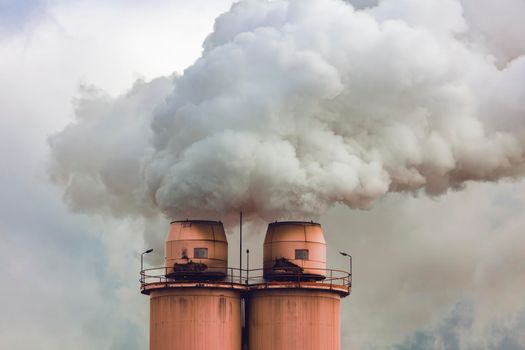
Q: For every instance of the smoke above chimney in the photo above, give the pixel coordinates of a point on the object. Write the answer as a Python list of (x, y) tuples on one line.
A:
[(295, 106)]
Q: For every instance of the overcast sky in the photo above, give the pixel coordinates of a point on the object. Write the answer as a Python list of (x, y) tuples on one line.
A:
[(445, 272)]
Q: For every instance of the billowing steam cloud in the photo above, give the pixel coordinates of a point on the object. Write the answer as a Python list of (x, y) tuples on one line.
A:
[(296, 105)]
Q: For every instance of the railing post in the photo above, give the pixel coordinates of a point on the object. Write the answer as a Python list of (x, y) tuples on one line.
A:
[(247, 265)]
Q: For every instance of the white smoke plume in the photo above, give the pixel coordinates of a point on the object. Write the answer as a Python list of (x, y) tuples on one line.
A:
[(300, 104)]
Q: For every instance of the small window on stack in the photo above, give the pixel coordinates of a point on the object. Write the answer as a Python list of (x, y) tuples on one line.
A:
[(200, 253), (301, 254)]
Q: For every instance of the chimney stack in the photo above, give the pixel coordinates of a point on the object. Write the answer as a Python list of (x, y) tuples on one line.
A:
[(198, 302)]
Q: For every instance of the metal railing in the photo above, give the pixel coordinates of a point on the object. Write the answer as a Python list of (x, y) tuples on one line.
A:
[(247, 277)]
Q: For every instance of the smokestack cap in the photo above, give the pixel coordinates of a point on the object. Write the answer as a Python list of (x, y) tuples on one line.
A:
[(294, 249), (196, 250)]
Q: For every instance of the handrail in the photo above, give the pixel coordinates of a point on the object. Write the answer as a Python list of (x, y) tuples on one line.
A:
[(247, 277)]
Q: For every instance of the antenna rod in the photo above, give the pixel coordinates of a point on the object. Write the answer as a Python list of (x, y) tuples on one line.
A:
[(240, 248)]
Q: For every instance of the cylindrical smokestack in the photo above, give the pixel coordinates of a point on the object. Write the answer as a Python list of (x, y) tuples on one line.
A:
[(289, 318), (191, 307), (293, 311), (191, 318)]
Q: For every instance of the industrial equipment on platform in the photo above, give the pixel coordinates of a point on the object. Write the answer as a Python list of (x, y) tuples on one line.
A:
[(198, 302)]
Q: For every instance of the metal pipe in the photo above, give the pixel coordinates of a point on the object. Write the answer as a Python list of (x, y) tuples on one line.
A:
[(247, 265), (240, 247)]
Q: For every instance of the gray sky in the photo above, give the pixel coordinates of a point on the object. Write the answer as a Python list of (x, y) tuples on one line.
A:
[(430, 273)]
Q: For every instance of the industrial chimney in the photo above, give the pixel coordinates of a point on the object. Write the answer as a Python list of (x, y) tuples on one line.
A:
[(295, 309), (191, 307), (198, 302)]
